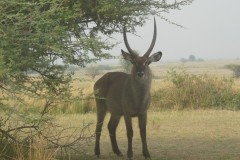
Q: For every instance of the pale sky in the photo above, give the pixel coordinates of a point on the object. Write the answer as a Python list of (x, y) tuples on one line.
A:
[(212, 31)]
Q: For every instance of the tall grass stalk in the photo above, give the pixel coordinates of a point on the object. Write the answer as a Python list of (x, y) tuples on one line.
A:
[(32, 149), (36, 149)]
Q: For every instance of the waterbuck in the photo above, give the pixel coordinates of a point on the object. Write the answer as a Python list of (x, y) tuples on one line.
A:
[(126, 95)]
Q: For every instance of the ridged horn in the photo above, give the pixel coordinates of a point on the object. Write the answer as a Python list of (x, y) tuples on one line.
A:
[(126, 41), (153, 40)]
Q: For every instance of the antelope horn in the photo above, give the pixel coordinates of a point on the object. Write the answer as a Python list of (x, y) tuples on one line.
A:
[(153, 40), (126, 41)]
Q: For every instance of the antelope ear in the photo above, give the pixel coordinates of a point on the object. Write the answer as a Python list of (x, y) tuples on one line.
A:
[(155, 57), (126, 56)]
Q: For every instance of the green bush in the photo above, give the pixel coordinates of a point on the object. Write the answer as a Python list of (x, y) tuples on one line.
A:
[(196, 91), (235, 69)]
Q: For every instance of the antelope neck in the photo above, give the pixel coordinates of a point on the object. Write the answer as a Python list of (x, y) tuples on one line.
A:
[(140, 89)]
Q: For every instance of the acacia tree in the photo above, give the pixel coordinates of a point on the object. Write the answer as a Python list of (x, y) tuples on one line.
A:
[(44, 37)]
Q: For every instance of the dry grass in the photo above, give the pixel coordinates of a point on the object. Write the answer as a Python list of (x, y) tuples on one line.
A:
[(172, 135), (37, 151)]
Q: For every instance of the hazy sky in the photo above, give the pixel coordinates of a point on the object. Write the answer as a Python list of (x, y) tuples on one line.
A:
[(212, 31)]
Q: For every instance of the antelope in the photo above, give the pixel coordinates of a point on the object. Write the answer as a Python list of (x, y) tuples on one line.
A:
[(126, 95)]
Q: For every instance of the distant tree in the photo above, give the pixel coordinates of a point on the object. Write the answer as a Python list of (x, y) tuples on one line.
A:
[(200, 59), (192, 58), (183, 60), (104, 67), (92, 71)]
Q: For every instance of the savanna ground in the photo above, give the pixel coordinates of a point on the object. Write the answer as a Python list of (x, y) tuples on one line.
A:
[(173, 134)]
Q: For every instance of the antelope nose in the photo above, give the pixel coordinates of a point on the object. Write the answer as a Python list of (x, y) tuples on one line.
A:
[(140, 74)]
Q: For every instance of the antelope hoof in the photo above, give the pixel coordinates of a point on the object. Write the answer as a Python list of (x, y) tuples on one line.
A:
[(129, 158), (118, 152), (146, 155), (97, 156)]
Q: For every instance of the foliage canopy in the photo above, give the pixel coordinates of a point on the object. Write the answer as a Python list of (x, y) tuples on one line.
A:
[(40, 32)]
